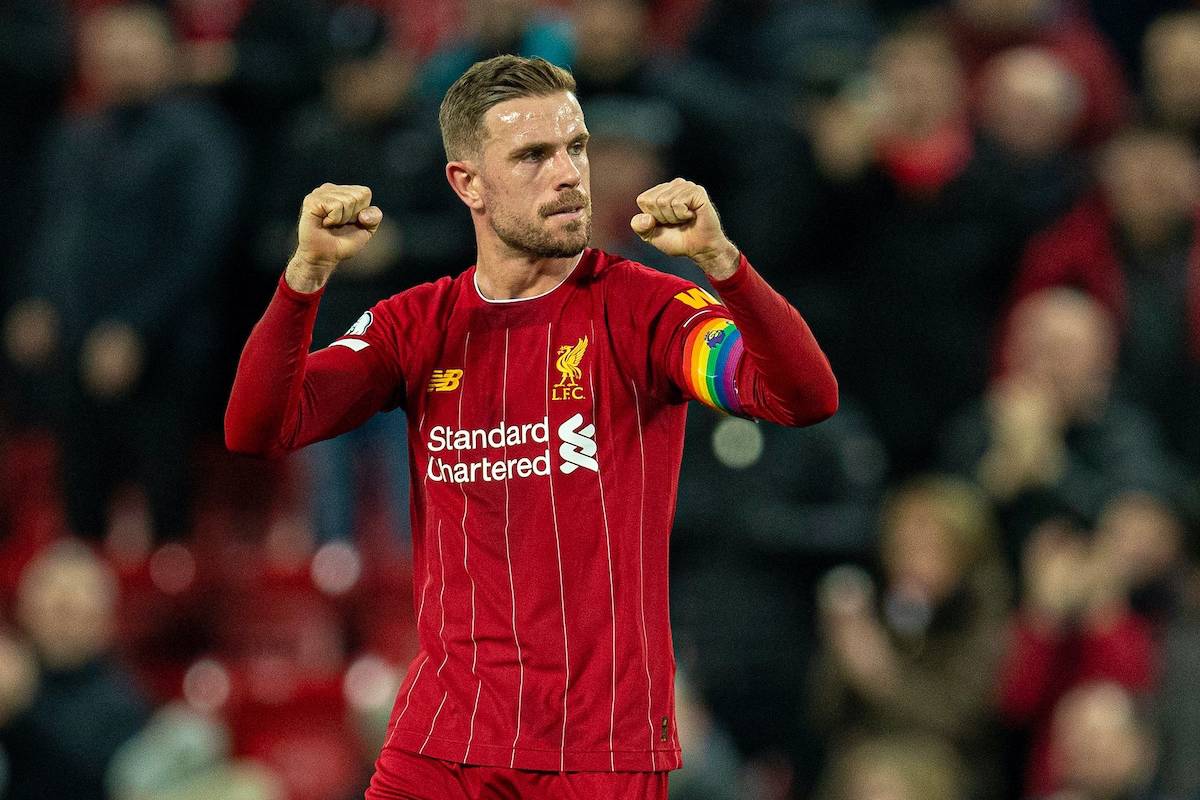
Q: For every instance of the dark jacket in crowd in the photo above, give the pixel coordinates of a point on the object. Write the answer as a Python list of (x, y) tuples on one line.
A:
[(61, 746), (136, 208), (1120, 451), (762, 510), (1156, 295), (35, 58), (923, 274)]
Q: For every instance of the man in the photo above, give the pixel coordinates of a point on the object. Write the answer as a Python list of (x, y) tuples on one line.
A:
[(140, 192), (545, 393)]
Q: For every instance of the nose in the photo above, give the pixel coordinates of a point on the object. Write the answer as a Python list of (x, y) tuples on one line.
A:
[(567, 174)]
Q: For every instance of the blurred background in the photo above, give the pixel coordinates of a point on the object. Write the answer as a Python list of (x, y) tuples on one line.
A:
[(979, 580)]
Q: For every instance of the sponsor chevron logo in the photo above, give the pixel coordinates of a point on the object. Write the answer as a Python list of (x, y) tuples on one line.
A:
[(578, 448)]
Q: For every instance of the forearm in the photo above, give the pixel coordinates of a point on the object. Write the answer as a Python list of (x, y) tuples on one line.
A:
[(264, 402), (783, 376), (284, 398)]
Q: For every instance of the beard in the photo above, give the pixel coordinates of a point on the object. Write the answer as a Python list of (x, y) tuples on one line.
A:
[(541, 241)]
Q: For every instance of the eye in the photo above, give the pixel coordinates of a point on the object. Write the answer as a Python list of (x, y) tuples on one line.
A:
[(577, 148), (532, 156)]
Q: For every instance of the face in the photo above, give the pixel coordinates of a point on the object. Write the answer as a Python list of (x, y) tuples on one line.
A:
[(1030, 102), (126, 54), (1066, 344), (372, 88), (920, 555), (65, 605), (611, 36), (922, 81), (1172, 57), (1151, 180), (1101, 751), (1143, 536), (532, 177)]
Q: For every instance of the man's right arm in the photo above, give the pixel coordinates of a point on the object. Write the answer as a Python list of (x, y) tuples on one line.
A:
[(284, 398)]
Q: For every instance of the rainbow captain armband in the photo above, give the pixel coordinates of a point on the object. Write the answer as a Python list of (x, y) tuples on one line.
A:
[(711, 353)]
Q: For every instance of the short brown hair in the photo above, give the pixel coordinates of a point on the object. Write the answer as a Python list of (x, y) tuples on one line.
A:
[(489, 83)]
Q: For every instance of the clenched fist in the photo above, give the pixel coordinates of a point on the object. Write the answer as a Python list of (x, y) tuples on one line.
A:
[(336, 222), (679, 219)]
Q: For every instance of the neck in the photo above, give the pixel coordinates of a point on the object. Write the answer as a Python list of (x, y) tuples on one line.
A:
[(502, 273)]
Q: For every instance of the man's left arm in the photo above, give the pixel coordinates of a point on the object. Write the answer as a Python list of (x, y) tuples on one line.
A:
[(755, 356)]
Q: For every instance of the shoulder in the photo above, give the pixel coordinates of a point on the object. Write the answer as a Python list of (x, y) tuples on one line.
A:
[(636, 280), (419, 300)]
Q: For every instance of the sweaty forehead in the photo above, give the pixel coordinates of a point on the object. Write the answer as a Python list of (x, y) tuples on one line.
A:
[(555, 117)]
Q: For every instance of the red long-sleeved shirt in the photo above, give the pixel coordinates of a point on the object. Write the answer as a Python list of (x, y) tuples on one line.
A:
[(1042, 666), (546, 435)]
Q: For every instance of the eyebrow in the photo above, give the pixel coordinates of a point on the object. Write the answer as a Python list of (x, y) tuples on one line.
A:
[(542, 147)]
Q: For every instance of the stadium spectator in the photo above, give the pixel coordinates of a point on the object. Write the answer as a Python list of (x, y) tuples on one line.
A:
[(1047, 438), (923, 224), (35, 57), (1030, 105), (1135, 248), (1124, 24), (492, 27), (896, 767), (1147, 535), (983, 28), (612, 48), (368, 128), (742, 567), (183, 754), (1171, 54), (134, 211), (712, 772), (1103, 749), (919, 660), (1074, 627), (752, 72), (631, 138), (261, 58), (67, 705)]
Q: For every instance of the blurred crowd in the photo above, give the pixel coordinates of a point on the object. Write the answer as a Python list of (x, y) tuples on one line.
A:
[(979, 581)]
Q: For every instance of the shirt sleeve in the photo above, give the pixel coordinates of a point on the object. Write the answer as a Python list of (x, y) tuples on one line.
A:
[(749, 353), (284, 397)]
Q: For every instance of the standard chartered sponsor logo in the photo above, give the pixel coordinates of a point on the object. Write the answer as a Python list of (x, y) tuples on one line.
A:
[(578, 449)]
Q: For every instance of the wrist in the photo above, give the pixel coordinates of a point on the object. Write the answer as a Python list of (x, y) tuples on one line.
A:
[(720, 262), (305, 276)]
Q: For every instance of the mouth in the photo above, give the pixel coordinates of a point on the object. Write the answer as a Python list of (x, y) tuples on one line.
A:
[(572, 213)]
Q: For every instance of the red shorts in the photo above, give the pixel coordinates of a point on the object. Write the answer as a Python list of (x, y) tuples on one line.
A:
[(401, 775)]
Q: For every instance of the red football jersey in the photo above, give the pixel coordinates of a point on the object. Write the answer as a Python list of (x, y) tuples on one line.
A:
[(546, 435)]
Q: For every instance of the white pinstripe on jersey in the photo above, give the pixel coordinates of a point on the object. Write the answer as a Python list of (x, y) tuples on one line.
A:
[(463, 525), (508, 557), (562, 595), (637, 414), (612, 595)]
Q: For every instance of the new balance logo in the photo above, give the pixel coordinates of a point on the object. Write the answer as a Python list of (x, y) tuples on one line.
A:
[(697, 298), (445, 380), (578, 448)]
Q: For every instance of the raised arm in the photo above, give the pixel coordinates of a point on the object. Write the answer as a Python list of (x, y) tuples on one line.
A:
[(754, 355), (284, 398)]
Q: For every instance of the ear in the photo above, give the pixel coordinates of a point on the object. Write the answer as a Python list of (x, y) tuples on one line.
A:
[(464, 180)]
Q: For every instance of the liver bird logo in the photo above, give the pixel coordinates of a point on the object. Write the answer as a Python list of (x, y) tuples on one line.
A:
[(567, 364)]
